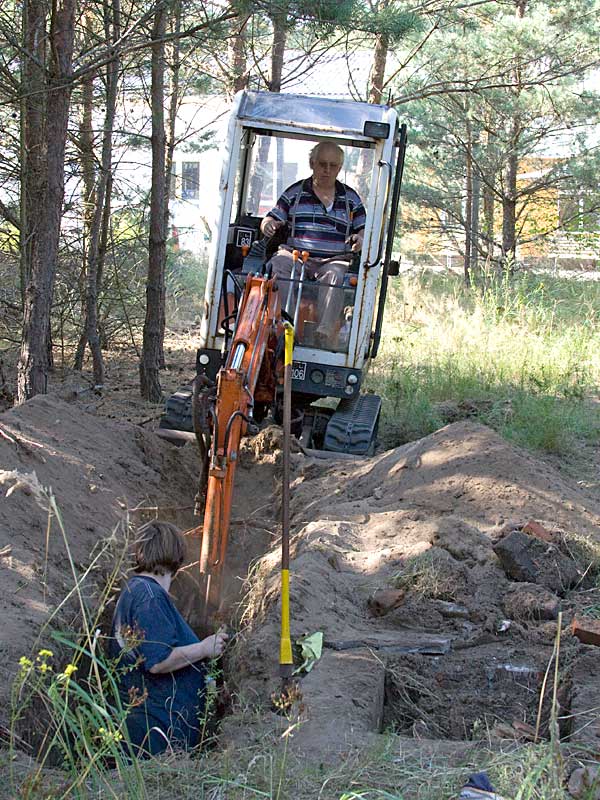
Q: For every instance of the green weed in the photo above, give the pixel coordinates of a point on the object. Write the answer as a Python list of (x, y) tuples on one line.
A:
[(521, 354)]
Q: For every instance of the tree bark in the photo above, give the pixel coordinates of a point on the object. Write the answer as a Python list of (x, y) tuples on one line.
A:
[(511, 168), (375, 95), (279, 21), (33, 362), (33, 143), (238, 61), (93, 263), (509, 207), (468, 209), (171, 141), (88, 176), (151, 348)]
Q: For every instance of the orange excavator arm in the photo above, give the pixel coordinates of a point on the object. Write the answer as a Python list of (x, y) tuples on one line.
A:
[(247, 376)]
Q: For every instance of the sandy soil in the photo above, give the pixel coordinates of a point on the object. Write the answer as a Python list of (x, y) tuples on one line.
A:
[(457, 656)]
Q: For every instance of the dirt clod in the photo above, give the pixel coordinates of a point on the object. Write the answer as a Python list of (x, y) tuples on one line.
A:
[(528, 559), (527, 601)]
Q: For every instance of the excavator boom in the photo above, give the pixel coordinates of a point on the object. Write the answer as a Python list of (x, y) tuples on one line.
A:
[(250, 372)]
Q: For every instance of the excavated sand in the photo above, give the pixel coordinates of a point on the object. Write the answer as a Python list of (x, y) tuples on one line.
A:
[(357, 524), (356, 527)]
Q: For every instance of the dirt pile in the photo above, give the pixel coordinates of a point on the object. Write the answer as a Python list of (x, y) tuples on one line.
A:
[(461, 649), (104, 473), (100, 472), (438, 605)]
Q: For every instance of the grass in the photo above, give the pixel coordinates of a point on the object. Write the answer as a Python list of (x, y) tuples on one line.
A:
[(428, 575), (521, 355)]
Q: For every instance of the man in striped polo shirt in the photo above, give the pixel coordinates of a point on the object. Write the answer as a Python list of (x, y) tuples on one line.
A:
[(326, 218)]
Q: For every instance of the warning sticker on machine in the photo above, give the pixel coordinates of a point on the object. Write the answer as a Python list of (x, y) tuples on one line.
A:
[(298, 370)]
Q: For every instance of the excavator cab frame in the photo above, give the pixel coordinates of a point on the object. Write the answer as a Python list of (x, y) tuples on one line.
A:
[(370, 135), (240, 362)]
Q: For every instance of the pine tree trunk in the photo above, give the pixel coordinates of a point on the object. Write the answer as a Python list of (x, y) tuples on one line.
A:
[(33, 362), (509, 210), (375, 95), (509, 195), (151, 348), (173, 107), (33, 140), (468, 211), (239, 70), (279, 20), (88, 175)]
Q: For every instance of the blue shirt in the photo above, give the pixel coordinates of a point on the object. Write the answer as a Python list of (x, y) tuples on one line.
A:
[(314, 228), (146, 627)]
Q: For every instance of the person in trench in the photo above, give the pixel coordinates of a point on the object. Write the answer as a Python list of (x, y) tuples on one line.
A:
[(160, 660), (326, 218)]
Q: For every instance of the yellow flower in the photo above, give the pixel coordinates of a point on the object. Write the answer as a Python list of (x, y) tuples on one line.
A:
[(45, 653), (25, 663), (44, 668), (108, 736), (69, 670)]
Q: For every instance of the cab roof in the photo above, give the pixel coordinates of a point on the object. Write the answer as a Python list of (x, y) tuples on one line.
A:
[(319, 115)]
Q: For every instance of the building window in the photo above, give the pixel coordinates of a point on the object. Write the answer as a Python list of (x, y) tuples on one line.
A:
[(190, 180)]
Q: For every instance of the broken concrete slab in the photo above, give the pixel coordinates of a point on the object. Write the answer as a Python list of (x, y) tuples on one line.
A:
[(452, 610), (528, 601), (402, 643), (526, 558)]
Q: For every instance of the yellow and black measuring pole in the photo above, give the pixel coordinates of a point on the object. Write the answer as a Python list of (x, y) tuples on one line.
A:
[(286, 661)]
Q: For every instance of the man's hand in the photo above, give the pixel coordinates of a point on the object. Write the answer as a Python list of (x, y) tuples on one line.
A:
[(356, 241), (269, 225), (215, 644)]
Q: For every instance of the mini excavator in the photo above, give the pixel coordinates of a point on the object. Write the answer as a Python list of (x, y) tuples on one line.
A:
[(240, 364)]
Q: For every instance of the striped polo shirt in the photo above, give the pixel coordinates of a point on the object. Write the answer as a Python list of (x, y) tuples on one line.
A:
[(311, 226)]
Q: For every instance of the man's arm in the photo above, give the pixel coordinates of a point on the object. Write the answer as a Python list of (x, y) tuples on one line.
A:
[(269, 225), (180, 657)]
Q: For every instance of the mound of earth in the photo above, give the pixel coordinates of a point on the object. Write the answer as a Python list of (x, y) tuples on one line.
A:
[(403, 561), (456, 653), (104, 475)]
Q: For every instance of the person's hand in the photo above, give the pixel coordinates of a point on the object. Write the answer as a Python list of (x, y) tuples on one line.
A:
[(270, 225), (215, 644), (356, 241)]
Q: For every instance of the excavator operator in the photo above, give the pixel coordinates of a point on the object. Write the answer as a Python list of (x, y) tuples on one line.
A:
[(326, 218)]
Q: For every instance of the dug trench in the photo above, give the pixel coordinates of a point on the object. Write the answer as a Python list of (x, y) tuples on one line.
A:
[(437, 596)]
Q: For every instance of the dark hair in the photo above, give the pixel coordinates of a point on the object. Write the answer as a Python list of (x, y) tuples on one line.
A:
[(159, 548)]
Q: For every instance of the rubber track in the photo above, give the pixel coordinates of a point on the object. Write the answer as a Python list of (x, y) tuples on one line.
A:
[(178, 411), (353, 426)]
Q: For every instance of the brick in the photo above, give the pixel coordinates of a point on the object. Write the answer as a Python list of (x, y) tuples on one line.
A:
[(534, 528), (385, 600), (587, 630)]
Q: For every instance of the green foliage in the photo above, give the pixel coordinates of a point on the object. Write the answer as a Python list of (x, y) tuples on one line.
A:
[(496, 86), (185, 281), (521, 355), (540, 422)]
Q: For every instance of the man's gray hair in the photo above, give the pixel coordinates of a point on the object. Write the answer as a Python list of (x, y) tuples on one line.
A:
[(314, 153)]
